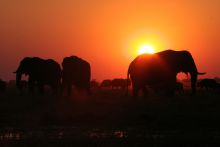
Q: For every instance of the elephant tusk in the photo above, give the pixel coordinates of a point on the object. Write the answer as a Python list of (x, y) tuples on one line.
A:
[(201, 73)]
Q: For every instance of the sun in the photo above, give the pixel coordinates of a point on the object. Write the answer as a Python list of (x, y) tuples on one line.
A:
[(146, 49)]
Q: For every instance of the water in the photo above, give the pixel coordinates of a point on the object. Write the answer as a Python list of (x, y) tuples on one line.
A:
[(73, 133), (130, 136), (54, 133)]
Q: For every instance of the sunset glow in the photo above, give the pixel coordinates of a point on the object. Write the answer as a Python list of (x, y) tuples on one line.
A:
[(146, 49), (108, 34)]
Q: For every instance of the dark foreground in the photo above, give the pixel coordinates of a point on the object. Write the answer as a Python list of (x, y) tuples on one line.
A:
[(108, 118)]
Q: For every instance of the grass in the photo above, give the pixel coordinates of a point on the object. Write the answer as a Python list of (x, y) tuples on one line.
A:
[(109, 118)]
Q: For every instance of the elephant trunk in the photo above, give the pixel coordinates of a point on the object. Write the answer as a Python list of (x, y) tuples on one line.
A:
[(193, 75), (18, 80)]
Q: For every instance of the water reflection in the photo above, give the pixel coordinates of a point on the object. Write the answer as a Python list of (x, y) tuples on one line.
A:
[(107, 134), (10, 134), (120, 134), (76, 133)]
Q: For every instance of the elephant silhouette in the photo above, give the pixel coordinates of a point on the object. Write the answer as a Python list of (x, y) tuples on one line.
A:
[(161, 68), (24, 84), (76, 72), (107, 83), (208, 84), (40, 72), (120, 83), (94, 84)]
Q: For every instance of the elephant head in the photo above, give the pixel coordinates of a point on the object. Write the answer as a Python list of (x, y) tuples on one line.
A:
[(182, 61), (40, 72), (24, 68)]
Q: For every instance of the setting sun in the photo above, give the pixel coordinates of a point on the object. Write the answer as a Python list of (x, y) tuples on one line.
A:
[(146, 49)]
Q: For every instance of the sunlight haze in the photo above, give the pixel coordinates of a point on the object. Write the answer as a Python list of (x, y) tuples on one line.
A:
[(146, 49)]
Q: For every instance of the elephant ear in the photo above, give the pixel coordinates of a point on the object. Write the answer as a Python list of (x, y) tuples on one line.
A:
[(185, 62)]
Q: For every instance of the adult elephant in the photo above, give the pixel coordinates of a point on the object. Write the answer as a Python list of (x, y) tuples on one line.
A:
[(40, 72), (107, 83), (119, 83), (76, 72), (208, 84), (161, 68)]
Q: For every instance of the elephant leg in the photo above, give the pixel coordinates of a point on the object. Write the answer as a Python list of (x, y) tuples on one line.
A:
[(63, 86), (201, 87), (31, 84), (145, 91), (135, 90), (207, 88), (182, 91), (56, 88), (21, 90), (88, 90), (157, 90), (170, 90), (69, 89), (41, 88)]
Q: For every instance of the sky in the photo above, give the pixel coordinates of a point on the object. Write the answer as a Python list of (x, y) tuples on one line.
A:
[(108, 33)]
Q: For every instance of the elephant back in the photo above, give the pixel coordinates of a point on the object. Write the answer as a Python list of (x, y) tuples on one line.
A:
[(53, 68), (30, 65), (76, 70)]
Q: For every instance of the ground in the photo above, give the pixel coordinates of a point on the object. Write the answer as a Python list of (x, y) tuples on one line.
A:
[(110, 118)]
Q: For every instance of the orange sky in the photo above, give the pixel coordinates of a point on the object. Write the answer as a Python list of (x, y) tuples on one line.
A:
[(107, 33)]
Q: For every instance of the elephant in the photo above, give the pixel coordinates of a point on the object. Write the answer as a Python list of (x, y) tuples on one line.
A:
[(161, 68), (106, 83), (24, 84), (119, 83), (3, 86), (40, 72), (94, 84), (208, 84), (76, 72)]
